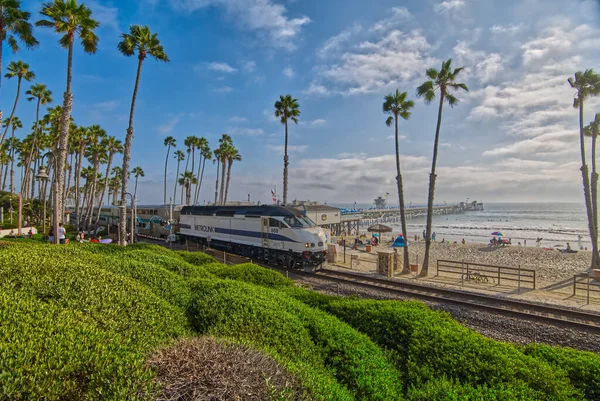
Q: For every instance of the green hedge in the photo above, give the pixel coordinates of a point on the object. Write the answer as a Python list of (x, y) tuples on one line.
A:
[(250, 273), (583, 368), (310, 342)]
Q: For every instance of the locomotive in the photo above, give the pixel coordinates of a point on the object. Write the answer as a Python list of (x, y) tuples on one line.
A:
[(277, 235)]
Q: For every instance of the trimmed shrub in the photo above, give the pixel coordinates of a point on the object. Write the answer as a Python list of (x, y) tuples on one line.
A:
[(51, 353), (210, 369), (583, 368), (196, 258), (446, 390), (250, 273), (312, 344), (428, 344)]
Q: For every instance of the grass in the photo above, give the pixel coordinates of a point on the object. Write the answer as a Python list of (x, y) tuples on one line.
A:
[(85, 322)]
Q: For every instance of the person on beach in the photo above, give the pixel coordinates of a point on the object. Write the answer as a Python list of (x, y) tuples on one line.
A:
[(524, 242), (433, 236), (424, 236), (568, 249), (51, 235), (579, 241), (463, 241)]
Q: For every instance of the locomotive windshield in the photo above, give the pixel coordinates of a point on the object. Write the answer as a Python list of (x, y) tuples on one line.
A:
[(298, 222)]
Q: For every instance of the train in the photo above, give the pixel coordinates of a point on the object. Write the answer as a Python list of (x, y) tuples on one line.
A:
[(276, 235)]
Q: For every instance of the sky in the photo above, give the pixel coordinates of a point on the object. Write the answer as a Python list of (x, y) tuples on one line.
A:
[(512, 138)]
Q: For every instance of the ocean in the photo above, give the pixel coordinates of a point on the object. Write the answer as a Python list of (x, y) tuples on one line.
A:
[(555, 223)]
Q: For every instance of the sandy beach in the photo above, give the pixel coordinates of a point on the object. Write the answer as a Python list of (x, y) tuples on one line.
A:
[(550, 266)]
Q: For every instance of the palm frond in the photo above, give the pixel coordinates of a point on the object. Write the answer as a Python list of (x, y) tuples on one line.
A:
[(451, 99), (432, 73), (389, 121)]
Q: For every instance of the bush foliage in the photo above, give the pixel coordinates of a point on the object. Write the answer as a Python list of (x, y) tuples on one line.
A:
[(79, 322)]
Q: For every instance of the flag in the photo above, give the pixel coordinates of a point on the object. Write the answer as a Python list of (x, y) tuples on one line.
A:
[(274, 196)]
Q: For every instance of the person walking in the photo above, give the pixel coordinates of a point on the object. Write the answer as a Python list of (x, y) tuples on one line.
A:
[(62, 233)]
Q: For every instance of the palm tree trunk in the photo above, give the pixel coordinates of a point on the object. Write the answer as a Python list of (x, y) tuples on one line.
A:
[(229, 163), (4, 173), (405, 264), (222, 182), (594, 191), (1, 44), (217, 183), (12, 114), (175, 187), (165, 186), (12, 163), (198, 181), (286, 162), (32, 178), (90, 209), (586, 193), (188, 195), (135, 188), (68, 178), (77, 183), (33, 143), (201, 177), (432, 177), (65, 121), (126, 157), (101, 203)]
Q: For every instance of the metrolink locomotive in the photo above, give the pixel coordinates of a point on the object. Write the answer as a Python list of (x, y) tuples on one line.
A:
[(274, 234)]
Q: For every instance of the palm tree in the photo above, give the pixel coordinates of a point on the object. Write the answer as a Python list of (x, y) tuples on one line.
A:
[(187, 180), (115, 183), (189, 142), (200, 143), (14, 24), (68, 19), (112, 146), (232, 155), (44, 97), (217, 153), (95, 151), (206, 155), (225, 142), (445, 81), (137, 172), (587, 84), (397, 105), (15, 124), (170, 142), (141, 41), (180, 156), (83, 137), (20, 70), (286, 108)]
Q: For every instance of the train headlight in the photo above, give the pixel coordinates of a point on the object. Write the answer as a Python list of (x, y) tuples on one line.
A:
[(307, 245), (320, 244)]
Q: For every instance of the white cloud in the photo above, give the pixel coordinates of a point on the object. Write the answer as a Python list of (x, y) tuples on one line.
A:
[(289, 72), (168, 127), (237, 119), (224, 89), (524, 164), (509, 29), (105, 15), (221, 67), (291, 149), (393, 60), (484, 66), (334, 43), (265, 17), (319, 122), (316, 89), (346, 155), (398, 16), (449, 5), (250, 66), (246, 131)]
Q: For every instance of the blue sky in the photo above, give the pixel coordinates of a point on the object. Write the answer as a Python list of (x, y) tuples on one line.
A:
[(513, 137)]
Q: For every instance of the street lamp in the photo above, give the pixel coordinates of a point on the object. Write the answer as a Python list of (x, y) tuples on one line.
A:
[(132, 216), (42, 175)]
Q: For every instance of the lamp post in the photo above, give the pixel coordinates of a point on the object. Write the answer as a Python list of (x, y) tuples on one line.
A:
[(132, 216), (42, 175)]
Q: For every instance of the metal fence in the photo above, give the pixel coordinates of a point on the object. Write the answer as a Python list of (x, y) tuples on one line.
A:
[(586, 283), (489, 274)]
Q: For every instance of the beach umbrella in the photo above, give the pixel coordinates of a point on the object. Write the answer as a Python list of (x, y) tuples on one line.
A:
[(497, 233), (379, 228)]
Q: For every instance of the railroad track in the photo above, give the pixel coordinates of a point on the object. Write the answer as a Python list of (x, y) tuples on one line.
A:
[(507, 307)]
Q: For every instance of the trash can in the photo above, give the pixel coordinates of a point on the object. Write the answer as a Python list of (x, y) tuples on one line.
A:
[(368, 248)]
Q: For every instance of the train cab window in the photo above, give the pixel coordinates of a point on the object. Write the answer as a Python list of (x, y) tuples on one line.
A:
[(275, 223), (293, 222)]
